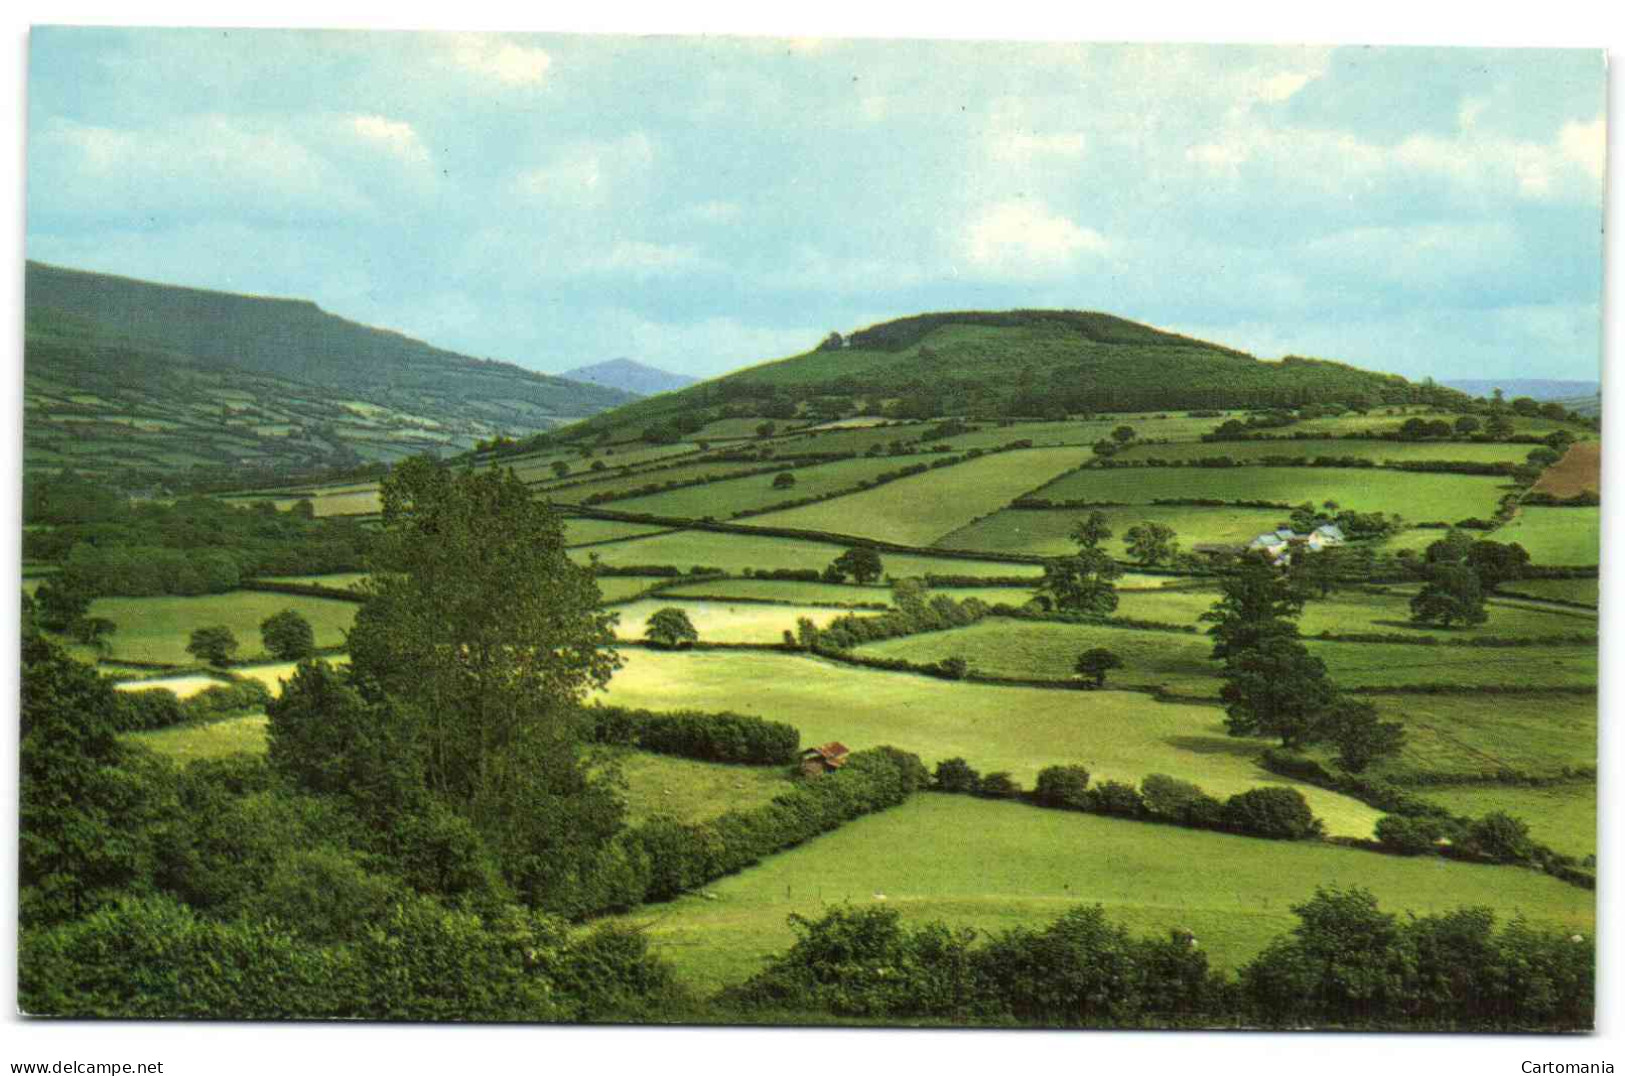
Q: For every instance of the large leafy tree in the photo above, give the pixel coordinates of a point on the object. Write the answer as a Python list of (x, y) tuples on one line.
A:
[(1151, 542), (1452, 595), (1360, 735), (1277, 688), (476, 620), (1082, 583), (1256, 602), (671, 628), (288, 635), (215, 644), (862, 563)]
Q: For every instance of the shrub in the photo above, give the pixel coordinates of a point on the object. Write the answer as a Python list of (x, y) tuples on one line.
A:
[(1275, 811), (1063, 787), (1116, 798), (149, 708), (288, 636), (1408, 836), (998, 786), (671, 629), (1501, 837), (711, 737), (955, 775), (216, 645), (1180, 802)]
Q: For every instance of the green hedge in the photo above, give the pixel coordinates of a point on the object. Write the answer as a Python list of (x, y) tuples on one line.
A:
[(711, 737)]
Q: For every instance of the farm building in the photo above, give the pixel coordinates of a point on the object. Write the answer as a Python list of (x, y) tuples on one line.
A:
[(817, 761), (1279, 544)]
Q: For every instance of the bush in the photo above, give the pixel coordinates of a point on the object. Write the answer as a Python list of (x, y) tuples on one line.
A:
[(998, 786), (149, 708), (1408, 836), (1062, 787), (1500, 837), (955, 775), (1276, 812), (711, 737), (1180, 802), (1117, 799), (288, 636)]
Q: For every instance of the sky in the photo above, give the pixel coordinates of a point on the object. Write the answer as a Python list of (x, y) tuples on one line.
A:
[(702, 204)]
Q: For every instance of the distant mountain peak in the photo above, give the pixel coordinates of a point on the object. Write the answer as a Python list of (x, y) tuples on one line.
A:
[(629, 375)]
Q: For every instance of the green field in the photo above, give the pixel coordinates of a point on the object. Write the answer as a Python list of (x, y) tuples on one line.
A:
[(1117, 734), (991, 866), (1447, 497), (692, 790), (923, 508), (1584, 591), (1569, 536), (1481, 734), (1563, 816), (218, 739), (1046, 531), (786, 590), (334, 581), (721, 622), (725, 499), (1336, 447), (580, 530), (157, 629), (734, 553), (620, 588)]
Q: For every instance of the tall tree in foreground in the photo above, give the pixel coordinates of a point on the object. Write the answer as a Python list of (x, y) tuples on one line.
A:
[(488, 636), (1256, 602)]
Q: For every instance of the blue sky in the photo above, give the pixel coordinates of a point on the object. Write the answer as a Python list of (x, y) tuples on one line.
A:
[(702, 204)]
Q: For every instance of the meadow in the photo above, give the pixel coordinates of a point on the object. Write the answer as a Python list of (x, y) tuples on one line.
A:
[(991, 866), (158, 629), (1046, 532), (1584, 591), (724, 499), (1568, 536), (1329, 446), (923, 508), (1116, 734), (721, 622), (1563, 816), (691, 790), (579, 530), (217, 739)]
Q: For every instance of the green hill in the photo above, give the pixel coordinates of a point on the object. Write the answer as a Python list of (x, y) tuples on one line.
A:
[(144, 381), (1022, 363)]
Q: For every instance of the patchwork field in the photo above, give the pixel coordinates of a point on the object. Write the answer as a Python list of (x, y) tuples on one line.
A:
[(921, 509), (218, 739), (693, 791), (157, 629), (1568, 536), (1045, 531), (1336, 447), (785, 590), (725, 499), (1542, 735), (580, 530), (720, 622), (1121, 735), (734, 553), (992, 866), (1584, 591)]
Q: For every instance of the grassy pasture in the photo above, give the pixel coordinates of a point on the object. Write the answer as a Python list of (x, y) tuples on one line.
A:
[(620, 588), (720, 622), (1579, 471), (1024, 866), (610, 481), (736, 552), (1568, 590), (1122, 735), (218, 739), (723, 499), (157, 629), (580, 530), (1569, 536), (1477, 734), (335, 581), (921, 509), (184, 687), (1044, 532), (1330, 446), (692, 790), (787, 590), (1446, 497), (1563, 816)]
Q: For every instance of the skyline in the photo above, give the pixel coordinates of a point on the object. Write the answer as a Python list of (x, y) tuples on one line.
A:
[(561, 200)]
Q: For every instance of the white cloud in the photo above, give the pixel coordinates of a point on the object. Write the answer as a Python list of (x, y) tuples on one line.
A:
[(396, 136), (1585, 144), (1021, 238), (499, 58), (1281, 86), (586, 174)]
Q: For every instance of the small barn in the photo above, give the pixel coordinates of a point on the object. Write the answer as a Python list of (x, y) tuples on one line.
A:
[(817, 761)]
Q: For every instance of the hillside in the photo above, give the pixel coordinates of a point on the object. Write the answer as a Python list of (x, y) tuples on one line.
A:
[(148, 382), (630, 376), (1015, 364)]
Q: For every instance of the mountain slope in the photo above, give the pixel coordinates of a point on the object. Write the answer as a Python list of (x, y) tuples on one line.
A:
[(143, 381), (1020, 363), (630, 376)]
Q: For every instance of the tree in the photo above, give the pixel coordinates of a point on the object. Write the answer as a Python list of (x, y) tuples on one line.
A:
[(862, 563), (1315, 572), (1499, 427), (1081, 584), (1276, 688), (1105, 448), (288, 636), (1123, 434), (62, 600), (1151, 543), (480, 627), (1501, 836), (93, 631), (215, 644), (1274, 811), (671, 628), (560, 468), (1467, 425), (1064, 787), (1452, 595), (766, 429), (1091, 531), (1256, 602), (1497, 562), (1360, 737), (955, 775), (783, 480), (1096, 663)]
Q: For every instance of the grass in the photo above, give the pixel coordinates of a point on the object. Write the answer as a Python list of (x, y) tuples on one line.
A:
[(1562, 816), (1471, 735), (1584, 591), (620, 588), (736, 552), (1045, 531), (921, 509), (1579, 471), (580, 530), (1309, 449), (184, 687), (218, 739), (1025, 866), (1123, 735), (1446, 497), (157, 629), (721, 622), (335, 581), (1568, 536), (693, 791), (788, 590), (725, 499)]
